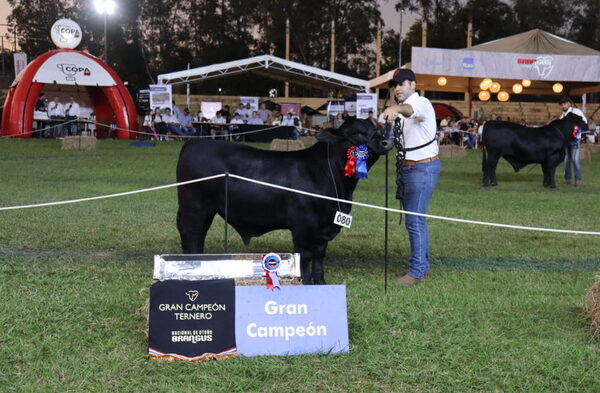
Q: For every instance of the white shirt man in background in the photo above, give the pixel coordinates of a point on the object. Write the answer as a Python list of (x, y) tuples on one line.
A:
[(573, 149), (72, 114), (56, 112)]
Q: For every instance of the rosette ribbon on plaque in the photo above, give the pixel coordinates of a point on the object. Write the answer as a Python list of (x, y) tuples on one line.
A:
[(356, 162), (271, 263)]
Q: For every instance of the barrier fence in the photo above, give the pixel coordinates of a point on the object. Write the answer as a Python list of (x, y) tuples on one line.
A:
[(306, 193)]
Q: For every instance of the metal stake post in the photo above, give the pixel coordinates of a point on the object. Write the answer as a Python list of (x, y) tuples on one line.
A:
[(226, 207), (385, 226)]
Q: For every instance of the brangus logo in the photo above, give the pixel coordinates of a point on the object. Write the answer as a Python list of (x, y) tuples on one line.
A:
[(542, 64)]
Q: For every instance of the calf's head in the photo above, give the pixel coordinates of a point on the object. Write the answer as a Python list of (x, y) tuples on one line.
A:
[(356, 132)]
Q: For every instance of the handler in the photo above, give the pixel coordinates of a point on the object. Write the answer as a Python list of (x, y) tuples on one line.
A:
[(418, 171), (573, 149)]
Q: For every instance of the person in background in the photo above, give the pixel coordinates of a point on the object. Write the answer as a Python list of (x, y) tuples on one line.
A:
[(41, 106), (173, 124), (265, 114), (278, 120), (175, 112), (418, 171), (244, 114), (255, 119), (339, 120), (72, 114), (371, 118), (159, 124), (148, 126), (573, 149), (199, 118), (56, 112), (186, 122), (217, 128), (226, 113), (237, 119), (289, 121)]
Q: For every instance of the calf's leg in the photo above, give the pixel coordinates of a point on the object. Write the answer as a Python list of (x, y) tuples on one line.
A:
[(193, 223)]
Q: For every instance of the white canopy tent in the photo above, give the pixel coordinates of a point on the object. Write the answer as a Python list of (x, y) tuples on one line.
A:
[(270, 67)]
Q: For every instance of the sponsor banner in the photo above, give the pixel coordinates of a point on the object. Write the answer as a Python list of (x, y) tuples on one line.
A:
[(501, 65), (253, 101), (73, 68), (20, 60), (350, 107), (160, 96), (334, 108), (210, 108), (294, 108), (294, 320), (365, 103), (192, 320)]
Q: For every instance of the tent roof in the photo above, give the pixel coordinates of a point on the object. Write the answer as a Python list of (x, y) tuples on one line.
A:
[(271, 67), (535, 41)]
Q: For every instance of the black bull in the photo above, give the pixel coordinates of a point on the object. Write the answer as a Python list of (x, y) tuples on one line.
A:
[(255, 209), (521, 146)]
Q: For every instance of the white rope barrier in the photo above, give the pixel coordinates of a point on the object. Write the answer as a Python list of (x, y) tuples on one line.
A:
[(115, 128), (311, 194)]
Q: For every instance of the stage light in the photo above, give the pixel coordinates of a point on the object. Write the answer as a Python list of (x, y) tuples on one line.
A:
[(557, 87), (503, 96), (484, 95), (517, 88)]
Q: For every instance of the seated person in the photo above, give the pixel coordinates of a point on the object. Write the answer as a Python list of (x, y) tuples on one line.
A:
[(173, 124), (148, 126), (216, 128), (186, 122), (159, 124), (289, 120), (265, 114), (199, 118), (255, 119), (452, 133), (237, 119), (278, 120)]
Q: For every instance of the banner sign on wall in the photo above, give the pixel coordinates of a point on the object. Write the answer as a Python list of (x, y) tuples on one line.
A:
[(192, 320), (333, 108), (350, 106), (366, 103), (160, 96), (505, 65), (253, 101), (294, 320), (293, 108), (20, 60)]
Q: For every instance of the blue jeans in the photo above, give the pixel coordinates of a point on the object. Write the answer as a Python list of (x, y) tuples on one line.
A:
[(572, 157), (419, 183)]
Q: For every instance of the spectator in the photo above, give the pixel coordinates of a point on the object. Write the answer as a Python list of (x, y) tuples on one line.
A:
[(289, 121), (265, 114), (148, 126), (278, 120), (217, 127), (226, 113), (186, 122), (255, 119), (173, 124), (56, 112), (371, 118), (244, 114), (72, 114), (175, 112), (452, 132), (41, 106), (339, 120), (199, 118), (237, 119), (445, 121), (160, 126)]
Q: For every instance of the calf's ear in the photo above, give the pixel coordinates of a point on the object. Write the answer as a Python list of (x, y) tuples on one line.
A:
[(327, 136)]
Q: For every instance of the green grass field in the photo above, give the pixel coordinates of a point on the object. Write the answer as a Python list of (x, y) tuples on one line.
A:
[(502, 312)]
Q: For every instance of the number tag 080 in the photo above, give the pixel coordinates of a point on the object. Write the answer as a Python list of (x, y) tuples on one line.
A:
[(343, 220)]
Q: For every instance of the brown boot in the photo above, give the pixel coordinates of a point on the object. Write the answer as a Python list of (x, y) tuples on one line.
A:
[(404, 272), (407, 280)]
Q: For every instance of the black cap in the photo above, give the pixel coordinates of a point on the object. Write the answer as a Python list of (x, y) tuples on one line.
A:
[(401, 75), (564, 100)]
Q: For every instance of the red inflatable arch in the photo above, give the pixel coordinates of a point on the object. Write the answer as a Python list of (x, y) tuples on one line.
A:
[(110, 99)]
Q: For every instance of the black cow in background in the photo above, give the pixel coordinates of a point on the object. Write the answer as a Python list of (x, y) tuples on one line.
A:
[(255, 209), (521, 146)]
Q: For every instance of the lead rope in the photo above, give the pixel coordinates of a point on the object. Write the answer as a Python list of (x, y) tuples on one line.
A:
[(400, 156)]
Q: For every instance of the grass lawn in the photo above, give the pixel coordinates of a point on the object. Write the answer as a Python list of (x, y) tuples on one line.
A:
[(502, 311)]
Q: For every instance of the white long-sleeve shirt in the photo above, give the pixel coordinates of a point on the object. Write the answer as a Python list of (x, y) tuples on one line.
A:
[(72, 109), (56, 109)]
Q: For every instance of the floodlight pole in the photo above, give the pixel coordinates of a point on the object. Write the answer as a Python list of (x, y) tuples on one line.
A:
[(105, 41), (400, 41)]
